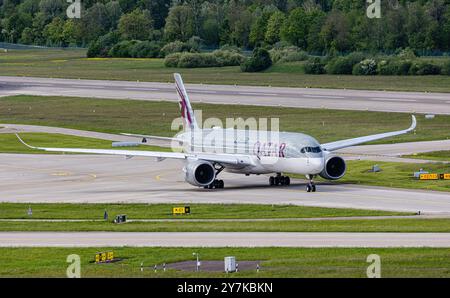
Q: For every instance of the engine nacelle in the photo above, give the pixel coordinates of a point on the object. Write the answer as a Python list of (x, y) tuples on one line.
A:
[(199, 173), (334, 169)]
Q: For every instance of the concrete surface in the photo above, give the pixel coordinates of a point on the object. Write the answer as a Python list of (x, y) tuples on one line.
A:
[(101, 179), (408, 102), (257, 239)]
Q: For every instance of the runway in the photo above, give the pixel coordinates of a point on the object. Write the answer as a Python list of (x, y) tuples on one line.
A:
[(259, 239), (101, 179), (407, 102)]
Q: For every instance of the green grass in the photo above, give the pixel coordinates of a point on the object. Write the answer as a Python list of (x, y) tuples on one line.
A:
[(164, 211), (71, 63), (116, 116), (275, 262), (395, 174), (436, 155), (408, 225), (10, 144)]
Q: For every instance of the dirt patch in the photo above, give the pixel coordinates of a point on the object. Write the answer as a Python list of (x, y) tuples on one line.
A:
[(212, 265)]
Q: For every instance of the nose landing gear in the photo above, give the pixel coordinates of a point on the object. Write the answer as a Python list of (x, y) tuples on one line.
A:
[(310, 187)]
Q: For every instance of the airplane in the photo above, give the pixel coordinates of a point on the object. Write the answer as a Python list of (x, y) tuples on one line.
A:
[(245, 152)]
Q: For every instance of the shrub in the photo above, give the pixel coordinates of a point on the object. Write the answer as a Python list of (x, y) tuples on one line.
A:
[(145, 49), (123, 49), (259, 61), (295, 56), (179, 46), (407, 53), (193, 60), (217, 58), (446, 68), (424, 68), (228, 58), (172, 60), (366, 67), (314, 66), (102, 46), (394, 67), (287, 54), (344, 65), (231, 48)]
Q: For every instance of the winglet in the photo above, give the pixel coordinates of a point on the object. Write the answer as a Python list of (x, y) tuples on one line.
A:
[(22, 141), (413, 124)]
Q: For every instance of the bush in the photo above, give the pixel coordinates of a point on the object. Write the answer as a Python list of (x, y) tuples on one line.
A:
[(259, 61), (123, 49), (367, 67), (193, 60), (102, 46), (172, 60), (446, 68), (145, 49), (179, 46), (407, 53), (228, 58), (287, 54), (394, 67), (217, 58), (295, 56), (344, 65), (424, 68), (314, 66), (231, 48)]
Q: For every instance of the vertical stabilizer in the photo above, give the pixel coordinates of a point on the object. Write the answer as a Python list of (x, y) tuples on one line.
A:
[(189, 121)]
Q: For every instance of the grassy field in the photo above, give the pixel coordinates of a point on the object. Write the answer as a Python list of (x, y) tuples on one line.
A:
[(10, 144), (274, 262), (395, 174), (116, 116), (436, 155), (164, 211), (72, 63), (407, 225)]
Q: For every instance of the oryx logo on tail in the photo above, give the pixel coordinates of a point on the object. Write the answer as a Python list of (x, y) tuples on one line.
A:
[(187, 113)]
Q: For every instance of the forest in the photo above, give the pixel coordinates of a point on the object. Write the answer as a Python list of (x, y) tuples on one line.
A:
[(318, 27)]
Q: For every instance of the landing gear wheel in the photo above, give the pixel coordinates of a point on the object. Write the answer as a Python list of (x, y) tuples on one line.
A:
[(215, 184), (313, 188), (279, 180), (308, 187), (287, 180)]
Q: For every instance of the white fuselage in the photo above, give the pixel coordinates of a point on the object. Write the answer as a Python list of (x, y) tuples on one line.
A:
[(271, 152)]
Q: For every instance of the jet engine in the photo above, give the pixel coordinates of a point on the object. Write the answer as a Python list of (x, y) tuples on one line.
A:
[(334, 169), (199, 173)]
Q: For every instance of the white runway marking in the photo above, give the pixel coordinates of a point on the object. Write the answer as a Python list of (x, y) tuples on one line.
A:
[(393, 99)]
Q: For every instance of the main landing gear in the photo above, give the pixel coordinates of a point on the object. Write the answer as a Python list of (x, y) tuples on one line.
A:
[(310, 187), (279, 180), (217, 183)]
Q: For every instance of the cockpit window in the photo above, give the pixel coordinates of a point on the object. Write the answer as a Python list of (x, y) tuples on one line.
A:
[(311, 150)]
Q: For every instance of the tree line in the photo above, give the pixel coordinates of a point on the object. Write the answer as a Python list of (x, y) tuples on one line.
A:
[(316, 26)]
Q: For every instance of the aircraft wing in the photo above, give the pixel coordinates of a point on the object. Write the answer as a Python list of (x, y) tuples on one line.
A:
[(351, 142), (234, 159)]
